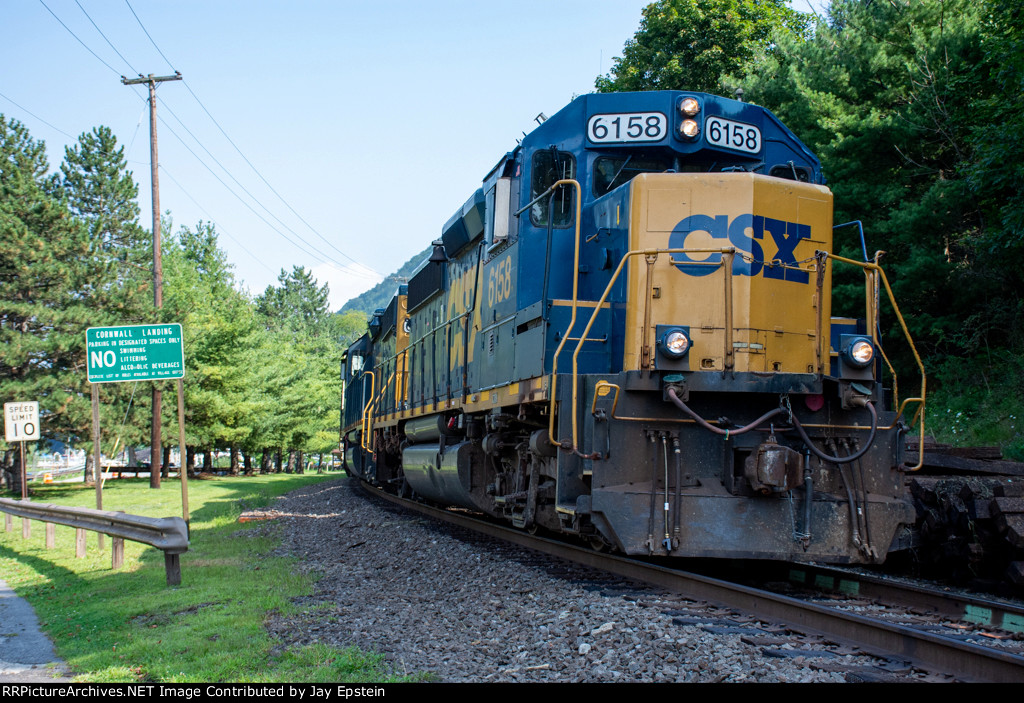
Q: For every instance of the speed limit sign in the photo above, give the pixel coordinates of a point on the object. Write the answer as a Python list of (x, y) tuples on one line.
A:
[(21, 421)]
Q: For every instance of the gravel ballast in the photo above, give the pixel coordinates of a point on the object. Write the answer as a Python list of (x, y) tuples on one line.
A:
[(440, 601)]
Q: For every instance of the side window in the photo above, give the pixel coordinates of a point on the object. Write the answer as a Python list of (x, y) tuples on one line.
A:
[(549, 167), (790, 172), (498, 205)]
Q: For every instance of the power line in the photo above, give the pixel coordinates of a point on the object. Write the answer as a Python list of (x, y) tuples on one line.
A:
[(257, 200), (219, 228), (79, 40), (147, 34), (265, 181), (314, 254), (366, 272), (123, 155), (58, 129), (136, 132), (163, 168), (244, 157), (105, 37), (86, 46)]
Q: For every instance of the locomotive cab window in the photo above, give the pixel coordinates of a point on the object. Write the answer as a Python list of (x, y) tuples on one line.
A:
[(549, 167), (612, 171)]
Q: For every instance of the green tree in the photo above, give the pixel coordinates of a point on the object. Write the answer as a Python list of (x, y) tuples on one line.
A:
[(98, 189), (307, 339), (997, 172), (349, 326), (695, 44), (56, 280), (297, 303), (914, 109), (885, 93), (221, 338)]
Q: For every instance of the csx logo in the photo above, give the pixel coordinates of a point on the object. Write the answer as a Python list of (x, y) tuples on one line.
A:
[(746, 233)]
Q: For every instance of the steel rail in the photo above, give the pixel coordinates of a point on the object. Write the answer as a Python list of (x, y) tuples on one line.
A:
[(984, 611), (931, 652)]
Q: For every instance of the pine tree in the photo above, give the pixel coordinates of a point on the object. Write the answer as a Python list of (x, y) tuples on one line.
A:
[(42, 254), (117, 285), (297, 303), (67, 262)]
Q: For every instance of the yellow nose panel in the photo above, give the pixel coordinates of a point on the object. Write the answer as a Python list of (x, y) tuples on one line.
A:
[(746, 282)]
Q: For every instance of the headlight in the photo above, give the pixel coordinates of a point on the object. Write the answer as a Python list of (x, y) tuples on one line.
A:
[(689, 107), (859, 352), (675, 343), (689, 129)]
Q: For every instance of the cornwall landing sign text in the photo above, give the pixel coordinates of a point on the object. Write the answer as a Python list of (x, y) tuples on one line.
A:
[(134, 353)]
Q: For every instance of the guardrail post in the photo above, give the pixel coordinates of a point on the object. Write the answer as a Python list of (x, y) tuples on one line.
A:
[(116, 552), (51, 535), (8, 524), (169, 535), (172, 565), (26, 529)]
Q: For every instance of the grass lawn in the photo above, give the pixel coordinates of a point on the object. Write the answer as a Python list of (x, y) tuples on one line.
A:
[(128, 625)]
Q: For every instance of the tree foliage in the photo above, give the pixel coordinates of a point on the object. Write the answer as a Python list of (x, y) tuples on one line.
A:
[(898, 99), (220, 335), (70, 253), (307, 341), (996, 173), (695, 44), (914, 108), (296, 303)]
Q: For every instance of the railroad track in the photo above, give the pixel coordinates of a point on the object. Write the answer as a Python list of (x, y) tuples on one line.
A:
[(962, 636)]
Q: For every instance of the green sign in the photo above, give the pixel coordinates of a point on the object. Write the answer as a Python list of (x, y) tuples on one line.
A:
[(134, 353)]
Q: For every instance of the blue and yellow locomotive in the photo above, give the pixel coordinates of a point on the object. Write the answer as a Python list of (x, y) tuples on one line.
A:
[(626, 335)]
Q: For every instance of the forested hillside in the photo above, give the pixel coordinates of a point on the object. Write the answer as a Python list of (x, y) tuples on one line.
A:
[(381, 294)]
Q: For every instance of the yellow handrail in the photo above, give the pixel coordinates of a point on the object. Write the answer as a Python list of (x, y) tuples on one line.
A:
[(728, 251), (575, 292), (376, 397), (366, 412), (876, 269)]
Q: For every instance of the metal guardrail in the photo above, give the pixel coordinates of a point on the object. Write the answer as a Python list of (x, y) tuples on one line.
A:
[(169, 534)]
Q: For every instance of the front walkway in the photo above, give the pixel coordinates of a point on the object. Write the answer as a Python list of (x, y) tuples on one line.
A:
[(26, 655)]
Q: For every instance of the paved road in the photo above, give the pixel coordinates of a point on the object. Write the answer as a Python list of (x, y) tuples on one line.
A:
[(26, 655)]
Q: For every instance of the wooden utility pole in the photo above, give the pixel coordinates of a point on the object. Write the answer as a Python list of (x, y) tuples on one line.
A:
[(156, 449)]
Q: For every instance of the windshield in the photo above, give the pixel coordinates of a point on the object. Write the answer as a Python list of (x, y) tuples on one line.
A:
[(612, 171)]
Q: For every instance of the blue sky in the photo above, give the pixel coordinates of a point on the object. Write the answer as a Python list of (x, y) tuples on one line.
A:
[(360, 126)]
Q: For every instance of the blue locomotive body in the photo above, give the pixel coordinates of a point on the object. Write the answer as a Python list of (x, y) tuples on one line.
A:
[(625, 335)]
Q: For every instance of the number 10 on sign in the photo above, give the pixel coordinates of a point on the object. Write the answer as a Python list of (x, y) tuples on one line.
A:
[(21, 421)]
